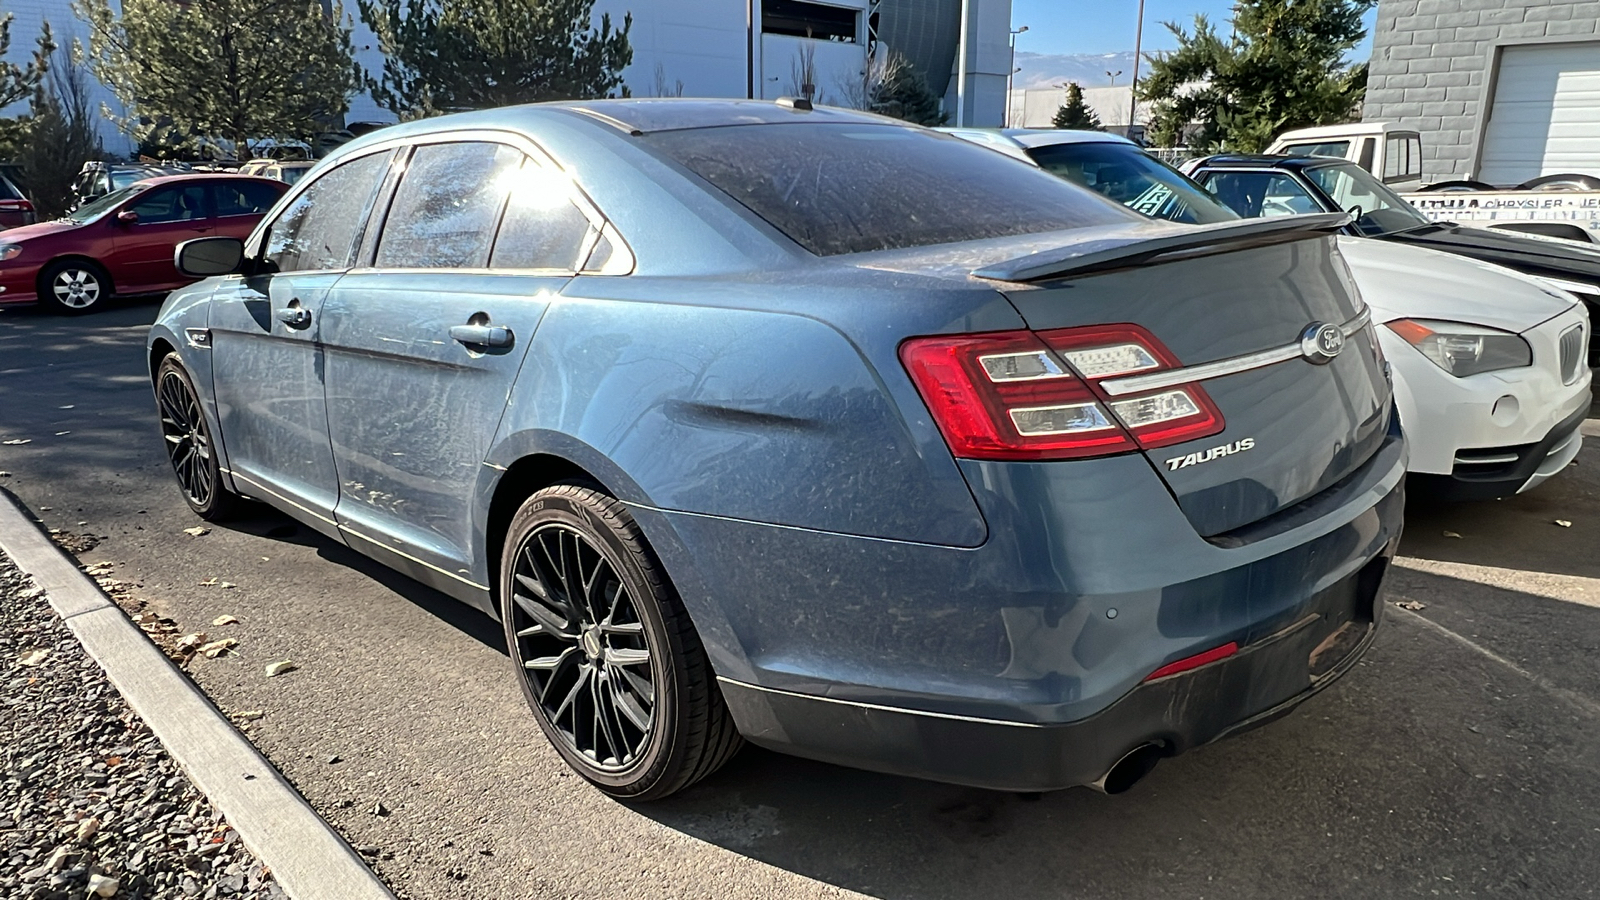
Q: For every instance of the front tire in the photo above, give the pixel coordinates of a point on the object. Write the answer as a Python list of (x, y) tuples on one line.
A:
[(604, 651), (190, 448), (74, 287)]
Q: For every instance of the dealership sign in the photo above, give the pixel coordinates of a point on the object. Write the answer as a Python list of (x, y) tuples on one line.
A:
[(1581, 208)]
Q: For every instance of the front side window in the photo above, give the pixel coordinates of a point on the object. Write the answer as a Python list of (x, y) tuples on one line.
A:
[(106, 202), (1133, 178), (170, 204), (852, 188), (1261, 194), (244, 198), (319, 228), (445, 210), (542, 229), (1378, 210)]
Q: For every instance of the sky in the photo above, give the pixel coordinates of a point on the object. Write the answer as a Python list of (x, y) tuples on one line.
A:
[(1107, 26)]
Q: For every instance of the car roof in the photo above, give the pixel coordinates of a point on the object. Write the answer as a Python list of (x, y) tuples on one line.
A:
[(203, 176), (1026, 138), (1268, 161), (1354, 129), (677, 113)]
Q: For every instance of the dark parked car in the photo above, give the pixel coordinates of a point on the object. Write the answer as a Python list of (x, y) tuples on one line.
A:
[(807, 426), (16, 209), (98, 178), (1278, 185), (123, 243)]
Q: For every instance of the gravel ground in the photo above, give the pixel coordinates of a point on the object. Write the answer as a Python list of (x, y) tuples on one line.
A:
[(91, 805)]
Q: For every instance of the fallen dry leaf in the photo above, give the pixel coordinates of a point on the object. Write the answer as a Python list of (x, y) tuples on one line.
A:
[(217, 648), (197, 531), (1452, 534), (17, 442), (209, 582), (220, 621), (249, 715), (5, 474), (191, 642), (227, 584), (1413, 605), (280, 667), (62, 433), (1563, 523), (33, 657)]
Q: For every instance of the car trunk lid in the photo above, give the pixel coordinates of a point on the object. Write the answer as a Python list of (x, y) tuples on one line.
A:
[(1232, 305)]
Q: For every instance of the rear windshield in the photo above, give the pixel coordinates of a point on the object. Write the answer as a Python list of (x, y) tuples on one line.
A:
[(849, 188), (1338, 149)]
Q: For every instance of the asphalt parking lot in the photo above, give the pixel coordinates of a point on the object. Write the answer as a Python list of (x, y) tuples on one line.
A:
[(1459, 759)]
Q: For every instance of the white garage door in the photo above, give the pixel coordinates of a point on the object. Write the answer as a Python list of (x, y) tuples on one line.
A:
[(1546, 114)]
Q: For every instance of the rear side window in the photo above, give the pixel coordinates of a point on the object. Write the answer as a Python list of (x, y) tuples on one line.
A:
[(542, 229), (1261, 194), (243, 198), (444, 212), (319, 228), (848, 188)]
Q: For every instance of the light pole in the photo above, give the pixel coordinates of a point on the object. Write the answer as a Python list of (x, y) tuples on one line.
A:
[(1113, 76), (961, 66), (1133, 89), (1014, 71)]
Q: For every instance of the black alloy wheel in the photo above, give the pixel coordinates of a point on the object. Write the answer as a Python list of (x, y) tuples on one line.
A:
[(605, 653), (188, 441)]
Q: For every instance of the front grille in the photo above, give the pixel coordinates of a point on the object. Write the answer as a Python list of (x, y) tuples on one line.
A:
[(1573, 353)]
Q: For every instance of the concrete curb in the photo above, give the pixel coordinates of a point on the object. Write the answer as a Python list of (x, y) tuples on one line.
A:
[(308, 858)]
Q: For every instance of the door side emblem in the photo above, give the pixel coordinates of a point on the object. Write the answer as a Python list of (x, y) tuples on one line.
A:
[(1321, 342)]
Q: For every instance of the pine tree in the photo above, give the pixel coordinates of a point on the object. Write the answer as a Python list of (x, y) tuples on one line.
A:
[(902, 92), (1075, 113), (448, 55), (1282, 68), (230, 69)]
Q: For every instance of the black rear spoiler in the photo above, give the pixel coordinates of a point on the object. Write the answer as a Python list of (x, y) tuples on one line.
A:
[(1099, 256)]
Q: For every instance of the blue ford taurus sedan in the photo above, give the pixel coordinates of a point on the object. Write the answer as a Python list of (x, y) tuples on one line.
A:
[(753, 421)]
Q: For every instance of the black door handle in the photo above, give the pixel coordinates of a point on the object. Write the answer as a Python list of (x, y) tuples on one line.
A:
[(294, 316), (495, 336)]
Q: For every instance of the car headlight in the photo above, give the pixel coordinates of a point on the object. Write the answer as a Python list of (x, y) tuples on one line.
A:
[(10, 251), (1462, 349)]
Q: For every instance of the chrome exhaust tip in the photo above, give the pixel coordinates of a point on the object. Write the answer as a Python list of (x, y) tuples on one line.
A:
[(1127, 771)]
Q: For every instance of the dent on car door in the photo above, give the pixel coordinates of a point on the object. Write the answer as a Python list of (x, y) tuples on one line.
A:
[(424, 345), (267, 367), (141, 258)]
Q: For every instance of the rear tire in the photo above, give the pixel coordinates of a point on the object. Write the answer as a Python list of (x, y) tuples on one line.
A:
[(74, 287), (604, 651), (190, 448)]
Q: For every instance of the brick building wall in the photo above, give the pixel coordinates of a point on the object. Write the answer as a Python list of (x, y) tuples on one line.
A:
[(1432, 61)]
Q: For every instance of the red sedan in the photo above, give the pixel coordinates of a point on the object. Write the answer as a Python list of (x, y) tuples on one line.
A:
[(123, 243)]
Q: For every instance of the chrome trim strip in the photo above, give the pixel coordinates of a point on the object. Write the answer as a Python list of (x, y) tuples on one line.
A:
[(421, 562), (881, 708), (1118, 387), (1487, 460), (266, 490)]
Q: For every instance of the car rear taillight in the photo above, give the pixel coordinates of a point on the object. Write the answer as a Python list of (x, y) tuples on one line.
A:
[(15, 206), (1024, 395)]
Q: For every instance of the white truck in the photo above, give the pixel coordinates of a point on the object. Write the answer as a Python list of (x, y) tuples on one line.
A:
[(1563, 206)]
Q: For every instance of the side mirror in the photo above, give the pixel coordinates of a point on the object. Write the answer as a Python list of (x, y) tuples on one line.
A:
[(128, 217), (207, 256)]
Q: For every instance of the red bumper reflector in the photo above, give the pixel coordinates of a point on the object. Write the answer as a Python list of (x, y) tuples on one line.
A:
[(1195, 661)]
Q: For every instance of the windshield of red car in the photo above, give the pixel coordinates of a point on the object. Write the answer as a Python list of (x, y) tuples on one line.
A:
[(98, 207)]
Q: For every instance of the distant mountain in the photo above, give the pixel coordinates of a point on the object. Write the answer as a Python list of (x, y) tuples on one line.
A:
[(1042, 70)]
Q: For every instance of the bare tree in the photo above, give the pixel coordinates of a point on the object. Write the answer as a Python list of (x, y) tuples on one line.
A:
[(662, 88), (62, 135)]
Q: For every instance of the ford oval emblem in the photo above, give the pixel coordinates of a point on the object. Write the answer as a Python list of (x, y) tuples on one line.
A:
[(1321, 342)]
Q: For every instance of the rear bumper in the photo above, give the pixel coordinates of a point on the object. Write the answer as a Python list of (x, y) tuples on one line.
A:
[(1260, 683)]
